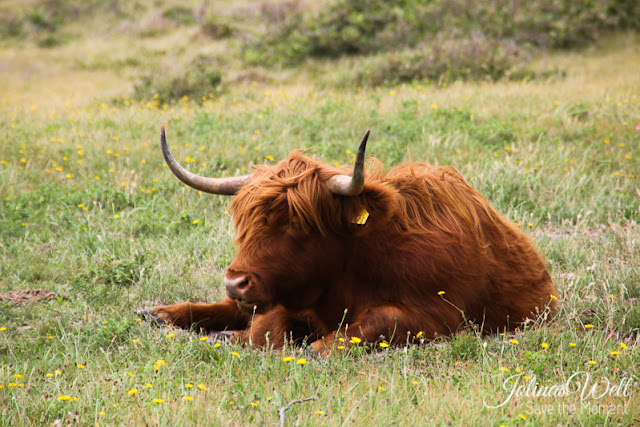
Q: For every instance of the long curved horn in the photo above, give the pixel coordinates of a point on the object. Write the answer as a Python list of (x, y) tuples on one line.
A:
[(345, 185), (224, 186)]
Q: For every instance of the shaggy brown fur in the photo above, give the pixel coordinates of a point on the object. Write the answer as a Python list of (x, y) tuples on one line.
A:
[(312, 271)]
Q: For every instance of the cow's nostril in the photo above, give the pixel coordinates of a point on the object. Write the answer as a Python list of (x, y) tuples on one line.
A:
[(243, 284), (236, 286)]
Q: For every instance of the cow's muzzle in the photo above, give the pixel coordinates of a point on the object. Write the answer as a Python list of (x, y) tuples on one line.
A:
[(236, 286)]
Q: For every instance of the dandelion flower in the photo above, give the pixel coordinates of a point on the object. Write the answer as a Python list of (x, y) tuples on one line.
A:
[(355, 340), (203, 338), (514, 342), (148, 385), (380, 388), (132, 392), (12, 385), (301, 361), (615, 353), (17, 376), (203, 387), (235, 354), (588, 326), (415, 383), (157, 400), (254, 404), (419, 334), (384, 345), (188, 398), (572, 344), (340, 347), (544, 345), (288, 359), (49, 375), (196, 221), (81, 366), (64, 398), (441, 292), (2, 329), (217, 345), (320, 412), (57, 372), (504, 369), (522, 416)]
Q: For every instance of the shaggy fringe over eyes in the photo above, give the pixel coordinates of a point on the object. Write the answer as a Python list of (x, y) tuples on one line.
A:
[(290, 190)]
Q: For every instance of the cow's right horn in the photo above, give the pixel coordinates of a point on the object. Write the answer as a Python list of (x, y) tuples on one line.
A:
[(224, 186), (345, 185)]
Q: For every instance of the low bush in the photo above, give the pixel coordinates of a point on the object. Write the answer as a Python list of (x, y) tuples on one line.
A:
[(197, 79), (443, 61), (487, 34)]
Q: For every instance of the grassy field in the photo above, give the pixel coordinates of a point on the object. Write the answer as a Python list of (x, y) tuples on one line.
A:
[(89, 212)]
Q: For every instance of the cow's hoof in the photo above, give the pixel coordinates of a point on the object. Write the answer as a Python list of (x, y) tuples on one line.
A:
[(220, 336), (148, 315)]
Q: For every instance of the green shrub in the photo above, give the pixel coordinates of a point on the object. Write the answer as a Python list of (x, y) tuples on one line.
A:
[(443, 61), (11, 28), (347, 27), (195, 80), (180, 15), (217, 28)]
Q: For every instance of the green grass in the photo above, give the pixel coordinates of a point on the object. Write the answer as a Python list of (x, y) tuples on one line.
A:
[(112, 231)]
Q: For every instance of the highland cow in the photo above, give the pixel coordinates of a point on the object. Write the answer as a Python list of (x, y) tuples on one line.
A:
[(324, 255)]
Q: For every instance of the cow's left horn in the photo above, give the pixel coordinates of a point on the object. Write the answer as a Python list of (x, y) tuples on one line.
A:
[(224, 186), (345, 185)]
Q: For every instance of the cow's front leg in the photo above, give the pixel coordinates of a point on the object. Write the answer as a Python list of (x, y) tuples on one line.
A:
[(384, 323), (267, 329), (219, 316)]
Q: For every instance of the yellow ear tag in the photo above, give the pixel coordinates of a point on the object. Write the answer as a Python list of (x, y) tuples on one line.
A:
[(362, 218)]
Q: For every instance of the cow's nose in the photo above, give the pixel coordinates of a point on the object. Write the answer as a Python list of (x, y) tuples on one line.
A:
[(236, 286)]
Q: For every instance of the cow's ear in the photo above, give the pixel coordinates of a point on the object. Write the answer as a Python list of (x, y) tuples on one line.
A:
[(373, 208)]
